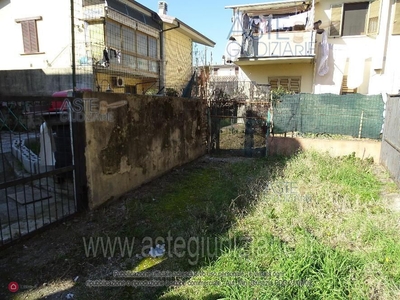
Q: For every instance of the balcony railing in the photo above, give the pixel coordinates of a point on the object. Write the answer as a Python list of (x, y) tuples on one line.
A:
[(279, 44)]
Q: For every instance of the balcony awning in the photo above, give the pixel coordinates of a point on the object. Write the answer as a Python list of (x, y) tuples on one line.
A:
[(275, 7), (270, 60)]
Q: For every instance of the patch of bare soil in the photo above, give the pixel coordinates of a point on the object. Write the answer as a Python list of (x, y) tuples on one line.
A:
[(234, 137), (53, 264)]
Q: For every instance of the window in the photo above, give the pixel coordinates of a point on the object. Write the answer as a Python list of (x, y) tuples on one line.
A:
[(131, 89), (289, 83), (128, 40), (139, 51), (129, 61), (396, 21), (29, 34), (153, 66), (143, 64), (359, 18), (113, 35), (354, 15), (152, 47), (142, 44)]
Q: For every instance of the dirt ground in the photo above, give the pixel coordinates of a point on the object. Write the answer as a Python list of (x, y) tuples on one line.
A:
[(52, 264)]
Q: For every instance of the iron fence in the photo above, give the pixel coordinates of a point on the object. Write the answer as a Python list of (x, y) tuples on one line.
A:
[(37, 166)]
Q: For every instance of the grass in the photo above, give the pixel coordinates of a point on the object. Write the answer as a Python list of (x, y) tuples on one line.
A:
[(342, 243), (306, 227)]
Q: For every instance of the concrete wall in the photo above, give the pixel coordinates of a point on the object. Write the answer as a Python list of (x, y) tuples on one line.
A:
[(390, 153), (142, 140), (362, 148)]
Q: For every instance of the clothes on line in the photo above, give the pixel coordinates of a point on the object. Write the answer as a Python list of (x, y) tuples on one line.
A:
[(269, 23), (110, 53)]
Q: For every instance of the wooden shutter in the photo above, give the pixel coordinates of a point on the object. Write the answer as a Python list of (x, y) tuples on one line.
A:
[(335, 28), (274, 83), (295, 85), (396, 21), (372, 23), (29, 36), (284, 82)]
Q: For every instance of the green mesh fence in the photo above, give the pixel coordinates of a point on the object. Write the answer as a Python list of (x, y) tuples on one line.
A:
[(353, 114)]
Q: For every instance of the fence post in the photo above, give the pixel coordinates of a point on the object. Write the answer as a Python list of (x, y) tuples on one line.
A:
[(361, 124)]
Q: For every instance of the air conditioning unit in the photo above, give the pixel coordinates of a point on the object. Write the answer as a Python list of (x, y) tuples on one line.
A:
[(120, 82)]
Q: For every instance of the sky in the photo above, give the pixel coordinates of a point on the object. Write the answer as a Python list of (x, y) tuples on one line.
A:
[(209, 17)]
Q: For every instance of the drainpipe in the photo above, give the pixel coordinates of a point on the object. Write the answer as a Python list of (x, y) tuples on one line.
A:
[(73, 48), (162, 66), (382, 37)]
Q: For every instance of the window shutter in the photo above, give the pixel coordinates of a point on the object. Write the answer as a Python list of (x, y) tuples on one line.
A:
[(396, 21), (373, 17), (289, 83), (33, 36), (335, 28), (284, 82), (26, 37), (295, 85), (273, 83), (29, 36)]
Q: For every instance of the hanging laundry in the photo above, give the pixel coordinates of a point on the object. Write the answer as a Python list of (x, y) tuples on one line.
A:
[(246, 22), (263, 24), (269, 19), (255, 25), (105, 56), (323, 67), (118, 56)]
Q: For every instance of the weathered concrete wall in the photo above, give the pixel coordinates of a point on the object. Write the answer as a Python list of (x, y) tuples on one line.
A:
[(142, 140), (361, 148), (390, 153)]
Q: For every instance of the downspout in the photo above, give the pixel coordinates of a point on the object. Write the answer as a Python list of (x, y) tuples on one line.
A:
[(73, 48), (379, 56), (161, 66), (162, 56)]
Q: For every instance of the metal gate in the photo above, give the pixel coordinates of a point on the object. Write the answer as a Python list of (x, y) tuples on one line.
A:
[(239, 118), (40, 150)]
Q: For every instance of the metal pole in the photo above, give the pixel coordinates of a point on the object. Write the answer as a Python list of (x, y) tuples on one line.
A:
[(361, 124), (73, 48)]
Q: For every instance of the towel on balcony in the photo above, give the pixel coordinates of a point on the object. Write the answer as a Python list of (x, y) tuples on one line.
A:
[(323, 67)]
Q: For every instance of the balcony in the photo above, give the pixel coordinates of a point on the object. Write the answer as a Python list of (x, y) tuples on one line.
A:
[(278, 31), (272, 47)]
